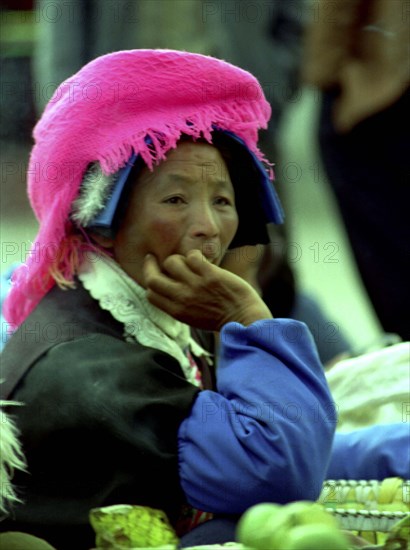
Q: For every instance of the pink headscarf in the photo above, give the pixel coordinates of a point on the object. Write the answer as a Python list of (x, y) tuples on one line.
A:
[(106, 111)]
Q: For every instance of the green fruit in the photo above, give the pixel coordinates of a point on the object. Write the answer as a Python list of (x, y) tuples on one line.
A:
[(294, 515), (315, 537), (304, 512), (268, 526), (251, 529)]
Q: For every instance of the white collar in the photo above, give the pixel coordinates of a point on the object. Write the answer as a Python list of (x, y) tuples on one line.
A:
[(126, 300)]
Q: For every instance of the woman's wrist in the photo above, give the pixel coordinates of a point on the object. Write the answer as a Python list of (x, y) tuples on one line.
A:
[(249, 311), (253, 315)]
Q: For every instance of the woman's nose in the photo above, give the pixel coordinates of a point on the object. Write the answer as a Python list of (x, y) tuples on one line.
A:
[(204, 222)]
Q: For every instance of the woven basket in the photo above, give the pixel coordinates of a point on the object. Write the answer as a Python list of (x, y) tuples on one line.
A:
[(367, 508)]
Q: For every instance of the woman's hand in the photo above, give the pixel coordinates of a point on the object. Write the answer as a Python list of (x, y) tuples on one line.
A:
[(201, 294)]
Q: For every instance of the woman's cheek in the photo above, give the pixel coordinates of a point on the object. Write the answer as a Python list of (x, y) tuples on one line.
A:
[(165, 237), (231, 227)]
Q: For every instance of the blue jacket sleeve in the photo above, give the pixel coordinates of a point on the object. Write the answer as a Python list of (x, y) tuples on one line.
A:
[(266, 434), (376, 452)]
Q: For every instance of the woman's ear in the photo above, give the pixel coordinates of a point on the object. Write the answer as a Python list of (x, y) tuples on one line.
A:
[(102, 240)]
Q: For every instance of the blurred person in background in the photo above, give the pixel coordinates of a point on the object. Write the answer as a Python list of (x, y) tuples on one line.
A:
[(358, 55)]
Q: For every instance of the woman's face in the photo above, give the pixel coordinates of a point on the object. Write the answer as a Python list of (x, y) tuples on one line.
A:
[(186, 203)]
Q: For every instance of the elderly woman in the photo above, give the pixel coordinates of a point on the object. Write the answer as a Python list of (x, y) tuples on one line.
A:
[(144, 173)]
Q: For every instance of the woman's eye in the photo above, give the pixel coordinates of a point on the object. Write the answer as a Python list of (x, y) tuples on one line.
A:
[(175, 200), (223, 201)]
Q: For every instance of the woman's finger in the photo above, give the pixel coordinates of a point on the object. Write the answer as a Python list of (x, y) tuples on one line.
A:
[(177, 268), (198, 263), (157, 281)]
